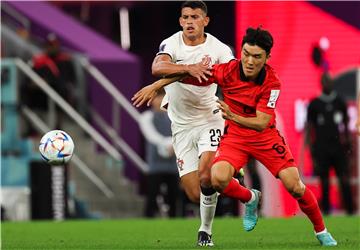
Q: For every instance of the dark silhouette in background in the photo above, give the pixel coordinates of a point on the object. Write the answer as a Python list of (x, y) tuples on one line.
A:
[(328, 136), (55, 67), (162, 181)]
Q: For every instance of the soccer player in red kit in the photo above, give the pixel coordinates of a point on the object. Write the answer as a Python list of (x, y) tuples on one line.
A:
[(251, 89)]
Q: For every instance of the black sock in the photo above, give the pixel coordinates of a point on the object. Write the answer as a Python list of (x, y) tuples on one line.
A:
[(207, 191)]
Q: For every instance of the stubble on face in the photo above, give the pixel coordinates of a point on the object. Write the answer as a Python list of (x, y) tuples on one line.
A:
[(193, 22)]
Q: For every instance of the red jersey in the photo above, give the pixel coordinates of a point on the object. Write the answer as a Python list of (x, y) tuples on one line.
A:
[(245, 97)]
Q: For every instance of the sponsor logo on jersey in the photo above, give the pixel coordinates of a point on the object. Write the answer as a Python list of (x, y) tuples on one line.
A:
[(274, 95)]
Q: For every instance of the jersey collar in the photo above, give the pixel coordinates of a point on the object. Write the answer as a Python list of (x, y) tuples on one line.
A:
[(259, 79), (328, 98)]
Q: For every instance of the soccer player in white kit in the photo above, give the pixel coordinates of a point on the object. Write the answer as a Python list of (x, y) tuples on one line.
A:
[(196, 121)]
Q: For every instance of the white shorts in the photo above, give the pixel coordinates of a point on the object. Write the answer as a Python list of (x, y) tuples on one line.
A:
[(190, 143)]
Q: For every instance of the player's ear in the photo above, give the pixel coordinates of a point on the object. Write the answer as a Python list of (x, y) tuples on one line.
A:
[(267, 57), (180, 21), (206, 21)]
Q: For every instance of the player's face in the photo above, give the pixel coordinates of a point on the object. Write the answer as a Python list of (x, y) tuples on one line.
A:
[(193, 22), (253, 59)]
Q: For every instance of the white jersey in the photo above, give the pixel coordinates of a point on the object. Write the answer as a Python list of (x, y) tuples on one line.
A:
[(189, 105)]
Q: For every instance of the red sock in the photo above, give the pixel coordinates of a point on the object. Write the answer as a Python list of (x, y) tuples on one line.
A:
[(236, 191), (310, 207)]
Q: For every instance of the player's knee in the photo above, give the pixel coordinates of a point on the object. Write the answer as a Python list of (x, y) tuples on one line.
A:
[(205, 174), (205, 180), (297, 190), (221, 174), (219, 182)]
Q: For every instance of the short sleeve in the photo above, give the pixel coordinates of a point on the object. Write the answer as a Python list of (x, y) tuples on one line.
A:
[(167, 47), (268, 99)]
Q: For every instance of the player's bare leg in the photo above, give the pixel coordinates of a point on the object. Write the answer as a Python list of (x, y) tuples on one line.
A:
[(222, 180), (208, 200), (307, 202)]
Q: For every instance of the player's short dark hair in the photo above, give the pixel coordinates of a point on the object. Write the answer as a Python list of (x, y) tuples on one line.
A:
[(195, 5), (259, 37)]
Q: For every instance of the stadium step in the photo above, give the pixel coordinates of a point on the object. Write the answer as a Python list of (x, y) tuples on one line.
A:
[(126, 202)]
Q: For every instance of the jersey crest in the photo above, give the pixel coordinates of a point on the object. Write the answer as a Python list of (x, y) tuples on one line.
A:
[(180, 164)]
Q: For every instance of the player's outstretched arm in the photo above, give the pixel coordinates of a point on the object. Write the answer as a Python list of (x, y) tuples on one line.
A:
[(147, 93)]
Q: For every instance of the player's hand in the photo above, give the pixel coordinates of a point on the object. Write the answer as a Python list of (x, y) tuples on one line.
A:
[(225, 110), (146, 94), (201, 70)]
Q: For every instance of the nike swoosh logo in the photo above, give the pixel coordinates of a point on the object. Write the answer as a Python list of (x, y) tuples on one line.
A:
[(207, 204), (180, 60)]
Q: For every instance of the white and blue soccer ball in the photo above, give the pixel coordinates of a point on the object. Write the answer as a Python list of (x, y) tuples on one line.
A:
[(56, 147)]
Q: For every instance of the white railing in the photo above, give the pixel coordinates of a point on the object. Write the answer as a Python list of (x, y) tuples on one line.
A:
[(111, 133), (16, 15), (117, 96), (121, 100), (68, 109), (110, 88), (43, 128)]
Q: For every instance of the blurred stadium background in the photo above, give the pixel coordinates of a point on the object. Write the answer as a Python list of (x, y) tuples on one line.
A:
[(112, 45)]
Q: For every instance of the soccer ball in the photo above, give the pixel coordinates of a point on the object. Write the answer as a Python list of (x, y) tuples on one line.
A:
[(56, 147)]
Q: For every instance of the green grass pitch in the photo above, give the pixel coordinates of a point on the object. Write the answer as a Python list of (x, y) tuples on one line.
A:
[(292, 233)]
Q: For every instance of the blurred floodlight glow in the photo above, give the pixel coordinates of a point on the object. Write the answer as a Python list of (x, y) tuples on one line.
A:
[(324, 43)]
